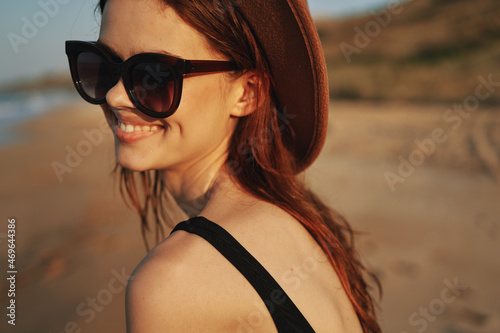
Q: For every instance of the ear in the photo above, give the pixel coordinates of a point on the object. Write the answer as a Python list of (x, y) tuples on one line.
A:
[(246, 94)]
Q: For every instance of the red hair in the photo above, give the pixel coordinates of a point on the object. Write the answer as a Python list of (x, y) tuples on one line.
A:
[(260, 157)]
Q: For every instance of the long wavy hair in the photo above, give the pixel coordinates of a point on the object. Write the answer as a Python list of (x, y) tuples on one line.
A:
[(260, 158)]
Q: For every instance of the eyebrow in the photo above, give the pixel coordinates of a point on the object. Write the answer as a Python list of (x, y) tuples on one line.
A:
[(115, 54), (107, 48)]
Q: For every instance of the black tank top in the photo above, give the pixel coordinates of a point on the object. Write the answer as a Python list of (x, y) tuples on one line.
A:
[(285, 314)]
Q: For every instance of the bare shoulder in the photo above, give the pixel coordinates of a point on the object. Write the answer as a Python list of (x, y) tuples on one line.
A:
[(293, 257), (185, 285), (155, 287)]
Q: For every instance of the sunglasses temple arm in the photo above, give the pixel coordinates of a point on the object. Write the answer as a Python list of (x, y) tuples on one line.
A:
[(212, 66)]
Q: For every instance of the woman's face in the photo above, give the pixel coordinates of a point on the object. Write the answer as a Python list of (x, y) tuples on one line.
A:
[(199, 131)]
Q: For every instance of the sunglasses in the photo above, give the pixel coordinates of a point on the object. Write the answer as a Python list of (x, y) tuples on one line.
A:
[(153, 81)]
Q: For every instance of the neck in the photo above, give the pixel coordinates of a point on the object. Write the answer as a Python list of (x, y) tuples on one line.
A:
[(193, 187)]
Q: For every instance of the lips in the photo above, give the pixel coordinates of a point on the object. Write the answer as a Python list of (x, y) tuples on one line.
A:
[(133, 130)]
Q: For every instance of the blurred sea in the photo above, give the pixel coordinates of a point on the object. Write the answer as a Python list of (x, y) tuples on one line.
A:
[(343, 8), (18, 107)]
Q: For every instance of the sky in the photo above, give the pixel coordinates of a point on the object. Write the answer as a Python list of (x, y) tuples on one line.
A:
[(33, 31)]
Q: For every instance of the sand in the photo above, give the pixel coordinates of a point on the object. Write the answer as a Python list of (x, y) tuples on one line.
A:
[(433, 237)]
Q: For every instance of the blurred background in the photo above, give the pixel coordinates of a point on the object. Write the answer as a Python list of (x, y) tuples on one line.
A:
[(412, 159)]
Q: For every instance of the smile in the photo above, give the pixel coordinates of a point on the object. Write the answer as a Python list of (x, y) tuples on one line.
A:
[(129, 128), (132, 133)]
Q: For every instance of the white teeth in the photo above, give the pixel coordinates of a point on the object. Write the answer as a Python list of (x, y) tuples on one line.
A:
[(137, 128)]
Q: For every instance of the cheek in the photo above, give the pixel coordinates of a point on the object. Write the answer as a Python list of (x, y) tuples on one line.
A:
[(205, 107), (108, 114), (201, 126)]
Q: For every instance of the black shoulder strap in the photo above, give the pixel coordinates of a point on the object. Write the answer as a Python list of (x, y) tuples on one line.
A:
[(285, 314)]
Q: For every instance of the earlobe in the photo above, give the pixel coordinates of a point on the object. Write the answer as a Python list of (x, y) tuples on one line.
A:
[(247, 94)]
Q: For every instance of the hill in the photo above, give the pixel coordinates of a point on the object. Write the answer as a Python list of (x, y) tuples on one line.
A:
[(422, 50)]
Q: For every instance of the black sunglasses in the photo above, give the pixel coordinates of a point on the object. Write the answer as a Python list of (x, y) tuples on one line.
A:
[(153, 81)]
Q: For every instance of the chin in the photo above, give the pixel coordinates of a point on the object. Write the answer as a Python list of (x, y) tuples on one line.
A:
[(126, 164), (132, 166), (132, 161)]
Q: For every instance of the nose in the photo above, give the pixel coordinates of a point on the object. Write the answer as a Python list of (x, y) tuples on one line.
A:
[(117, 97)]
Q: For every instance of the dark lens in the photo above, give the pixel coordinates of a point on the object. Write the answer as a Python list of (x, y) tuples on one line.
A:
[(154, 85), (94, 74)]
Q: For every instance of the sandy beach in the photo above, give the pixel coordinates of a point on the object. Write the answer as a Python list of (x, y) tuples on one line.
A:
[(429, 228)]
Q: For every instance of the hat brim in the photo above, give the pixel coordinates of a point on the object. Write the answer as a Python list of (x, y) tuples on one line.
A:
[(290, 42)]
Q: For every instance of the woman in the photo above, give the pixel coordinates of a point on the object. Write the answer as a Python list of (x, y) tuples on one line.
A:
[(224, 136)]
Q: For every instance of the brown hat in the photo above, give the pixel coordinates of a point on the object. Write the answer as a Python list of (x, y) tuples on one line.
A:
[(290, 42)]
